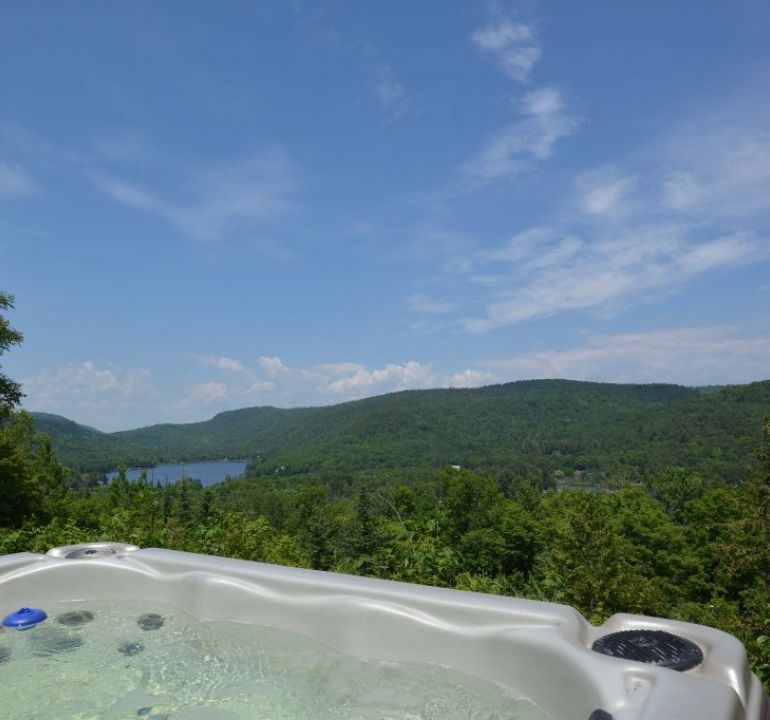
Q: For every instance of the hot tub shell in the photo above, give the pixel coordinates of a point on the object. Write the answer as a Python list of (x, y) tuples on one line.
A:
[(542, 650)]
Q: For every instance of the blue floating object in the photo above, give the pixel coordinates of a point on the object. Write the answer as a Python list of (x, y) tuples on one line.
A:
[(24, 619)]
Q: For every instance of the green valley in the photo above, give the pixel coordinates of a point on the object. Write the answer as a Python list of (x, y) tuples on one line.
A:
[(550, 429)]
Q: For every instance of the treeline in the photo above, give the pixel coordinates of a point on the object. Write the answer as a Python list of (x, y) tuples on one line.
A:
[(554, 429), (679, 545)]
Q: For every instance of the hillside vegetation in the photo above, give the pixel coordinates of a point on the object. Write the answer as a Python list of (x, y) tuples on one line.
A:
[(550, 429)]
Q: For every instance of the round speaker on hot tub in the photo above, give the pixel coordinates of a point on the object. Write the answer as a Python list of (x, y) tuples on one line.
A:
[(657, 647)]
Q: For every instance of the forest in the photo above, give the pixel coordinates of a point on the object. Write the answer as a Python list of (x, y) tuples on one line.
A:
[(550, 429), (675, 538)]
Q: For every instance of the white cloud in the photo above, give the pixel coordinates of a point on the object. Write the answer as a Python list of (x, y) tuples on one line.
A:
[(602, 191), (718, 165), (543, 102), (205, 393), (87, 393), (15, 182), (389, 92), (689, 356), (732, 250), (517, 146), (470, 378), (247, 192), (133, 196), (258, 389), (514, 46), (245, 384), (225, 363), (342, 368), (391, 377), (571, 274), (520, 247), (273, 366), (680, 190), (423, 304), (85, 380), (273, 382), (562, 251), (635, 230), (543, 120)]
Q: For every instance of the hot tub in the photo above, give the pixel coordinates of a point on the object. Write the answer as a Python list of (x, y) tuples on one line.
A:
[(539, 651)]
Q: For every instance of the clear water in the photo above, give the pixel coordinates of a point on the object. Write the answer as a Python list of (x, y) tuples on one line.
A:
[(209, 472), (110, 668)]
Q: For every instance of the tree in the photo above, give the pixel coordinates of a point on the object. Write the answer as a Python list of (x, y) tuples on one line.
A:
[(587, 562), (745, 554), (10, 391), (30, 477)]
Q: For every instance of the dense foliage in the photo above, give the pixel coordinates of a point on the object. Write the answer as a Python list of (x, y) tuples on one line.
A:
[(10, 391), (548, 429), (680, 545)]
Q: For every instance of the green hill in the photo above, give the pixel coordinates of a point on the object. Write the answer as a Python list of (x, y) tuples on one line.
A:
[(543, 427), (63, 427)]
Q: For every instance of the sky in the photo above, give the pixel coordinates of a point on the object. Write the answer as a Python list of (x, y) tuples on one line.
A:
[(207, 206)]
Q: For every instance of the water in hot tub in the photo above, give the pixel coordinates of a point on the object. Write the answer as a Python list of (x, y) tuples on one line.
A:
[(134, 660)]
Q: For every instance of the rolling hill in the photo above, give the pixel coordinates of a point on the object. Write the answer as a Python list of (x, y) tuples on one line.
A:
[(516, 429)]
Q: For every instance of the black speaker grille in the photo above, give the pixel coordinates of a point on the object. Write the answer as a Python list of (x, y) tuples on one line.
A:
[(657, 647)]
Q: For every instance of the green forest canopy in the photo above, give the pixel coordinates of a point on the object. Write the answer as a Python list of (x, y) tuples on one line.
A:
[(544, 428)]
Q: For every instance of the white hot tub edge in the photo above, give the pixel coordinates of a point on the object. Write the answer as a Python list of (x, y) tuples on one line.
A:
[(542, 650)]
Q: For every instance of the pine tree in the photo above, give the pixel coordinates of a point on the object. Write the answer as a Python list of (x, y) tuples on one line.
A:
[(10, 391)]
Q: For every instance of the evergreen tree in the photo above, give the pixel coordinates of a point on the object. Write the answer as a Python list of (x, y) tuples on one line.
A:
[(10, 391)]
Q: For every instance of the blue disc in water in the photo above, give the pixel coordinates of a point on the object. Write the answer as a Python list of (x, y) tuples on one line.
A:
[(24, 619)]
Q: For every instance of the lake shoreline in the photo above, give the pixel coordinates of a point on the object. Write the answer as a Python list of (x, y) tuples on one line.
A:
[(208, 472)]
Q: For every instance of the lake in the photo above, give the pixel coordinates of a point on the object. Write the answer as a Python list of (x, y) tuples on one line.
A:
[(210, 472)]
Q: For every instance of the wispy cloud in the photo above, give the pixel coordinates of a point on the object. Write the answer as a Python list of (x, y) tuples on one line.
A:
[(270, 380), (423, 304), (719, 165), (224, 363), (390, 92), (518, 146), (710, 355), (124, 145), (203, 394), (15, 182), (324, 29), (570, 274), (88, 393), (603, 191), (632, 231), (247, 384), (514, 46), (217, 200), (20, 141), (543, 118)]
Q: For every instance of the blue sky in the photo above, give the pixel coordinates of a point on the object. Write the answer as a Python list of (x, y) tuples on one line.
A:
[(206, 206)]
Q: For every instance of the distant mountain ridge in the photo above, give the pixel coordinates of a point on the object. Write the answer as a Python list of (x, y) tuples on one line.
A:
[(521, 428)]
